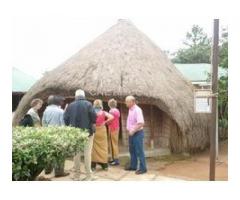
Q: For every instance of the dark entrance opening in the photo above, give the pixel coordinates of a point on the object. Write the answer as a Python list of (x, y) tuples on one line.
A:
[(16, 98)]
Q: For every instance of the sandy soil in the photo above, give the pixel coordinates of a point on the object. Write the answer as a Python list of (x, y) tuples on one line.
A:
[(196, 167)]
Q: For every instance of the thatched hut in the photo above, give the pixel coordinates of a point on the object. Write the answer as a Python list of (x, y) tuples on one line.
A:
[(124, 61)]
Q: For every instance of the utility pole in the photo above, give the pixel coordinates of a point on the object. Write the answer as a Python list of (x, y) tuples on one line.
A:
[(214, 61)]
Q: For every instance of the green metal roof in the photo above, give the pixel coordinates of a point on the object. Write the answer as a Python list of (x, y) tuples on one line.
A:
[(21, 82), (198, 72)]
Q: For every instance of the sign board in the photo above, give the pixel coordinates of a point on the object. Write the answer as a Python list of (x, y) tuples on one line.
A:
[(203, 101)]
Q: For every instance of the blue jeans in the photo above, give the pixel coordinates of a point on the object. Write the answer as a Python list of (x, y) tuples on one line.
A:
[(136, 149)]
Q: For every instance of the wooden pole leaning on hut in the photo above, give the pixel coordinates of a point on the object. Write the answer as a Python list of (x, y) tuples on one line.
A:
[(214, 62), (151, 128)]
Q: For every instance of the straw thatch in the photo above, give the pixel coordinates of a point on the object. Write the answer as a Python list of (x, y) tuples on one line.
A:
[(120, 62)]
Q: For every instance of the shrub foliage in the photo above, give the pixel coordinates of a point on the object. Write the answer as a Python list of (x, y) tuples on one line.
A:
[(34, 148)]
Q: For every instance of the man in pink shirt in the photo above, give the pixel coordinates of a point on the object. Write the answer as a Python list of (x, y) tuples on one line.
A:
[(135, 123)]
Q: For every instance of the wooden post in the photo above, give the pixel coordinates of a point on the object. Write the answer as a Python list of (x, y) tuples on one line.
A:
[(124, 136), (151, 128), (214, 62)]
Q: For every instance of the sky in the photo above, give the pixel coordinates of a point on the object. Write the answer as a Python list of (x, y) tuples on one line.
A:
[(43, 43)]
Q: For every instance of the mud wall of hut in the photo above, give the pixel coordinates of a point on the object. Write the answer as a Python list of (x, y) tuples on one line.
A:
[(158, 129)]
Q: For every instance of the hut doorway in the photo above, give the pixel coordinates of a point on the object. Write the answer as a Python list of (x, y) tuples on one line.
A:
[(16, 98)]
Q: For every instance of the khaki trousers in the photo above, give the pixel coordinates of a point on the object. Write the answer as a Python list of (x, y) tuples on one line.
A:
[(87, 159)]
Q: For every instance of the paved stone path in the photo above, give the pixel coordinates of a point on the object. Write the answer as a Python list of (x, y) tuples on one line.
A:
[(114, 173)]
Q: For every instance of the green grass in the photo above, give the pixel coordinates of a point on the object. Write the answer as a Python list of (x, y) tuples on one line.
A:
[(124, 161), (171, 158)]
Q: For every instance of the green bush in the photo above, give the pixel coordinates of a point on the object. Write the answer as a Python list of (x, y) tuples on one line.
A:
[(35, 148)]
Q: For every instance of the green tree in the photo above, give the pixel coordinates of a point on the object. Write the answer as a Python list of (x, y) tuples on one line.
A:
[(198, 50), (223, 53), (223, 87), (197, 47)]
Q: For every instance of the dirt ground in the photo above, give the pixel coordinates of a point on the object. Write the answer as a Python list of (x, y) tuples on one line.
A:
[(194, 167), (172, 167), (191, 167)]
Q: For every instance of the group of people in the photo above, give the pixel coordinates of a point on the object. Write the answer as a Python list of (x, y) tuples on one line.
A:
[(103, 128)]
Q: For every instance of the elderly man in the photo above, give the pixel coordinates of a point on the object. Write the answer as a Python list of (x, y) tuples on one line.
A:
[(135, 122), (80, 114), (53, 114)]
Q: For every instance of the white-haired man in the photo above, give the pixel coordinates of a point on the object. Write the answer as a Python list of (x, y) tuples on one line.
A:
[(53, 116), (135, 122), (80, 114)]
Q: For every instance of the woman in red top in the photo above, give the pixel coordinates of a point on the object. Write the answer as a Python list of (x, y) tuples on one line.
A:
[(113, 127), (100, 143)]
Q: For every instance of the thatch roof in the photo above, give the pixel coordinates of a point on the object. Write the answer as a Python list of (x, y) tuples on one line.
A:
[(120, 62)]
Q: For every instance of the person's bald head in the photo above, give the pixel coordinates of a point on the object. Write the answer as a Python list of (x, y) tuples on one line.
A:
[(130, 101)]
